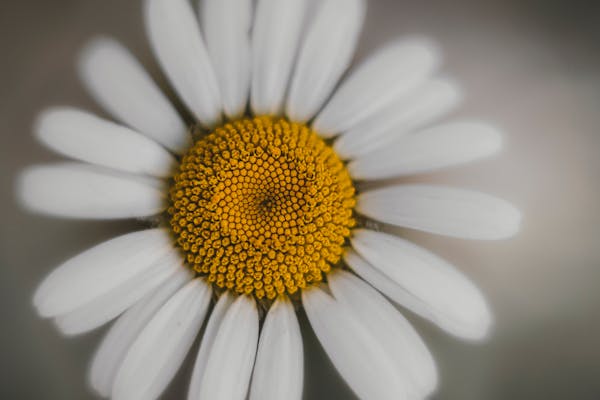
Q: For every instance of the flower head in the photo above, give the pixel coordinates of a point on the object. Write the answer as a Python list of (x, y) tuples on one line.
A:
[(262, 206), (254, 204)]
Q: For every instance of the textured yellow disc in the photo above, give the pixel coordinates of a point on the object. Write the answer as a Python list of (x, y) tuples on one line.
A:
[(262, 206)]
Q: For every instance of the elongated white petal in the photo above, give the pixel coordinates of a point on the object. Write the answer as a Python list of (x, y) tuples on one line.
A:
[(442, 146), (177, 43), (422, 282), (275, 37), (112, 303), (121, 85), (415, 110), (278, 372), (384, 77), (229, 366), (159, 350), (85, 137), (100, 270), (360, 358), (114, 346), (82, 191), (226, 25), (404, 346), (446, 211), (325, 54), (210, 333)]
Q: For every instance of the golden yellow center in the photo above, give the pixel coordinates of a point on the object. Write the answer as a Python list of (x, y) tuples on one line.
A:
[(262, 206)]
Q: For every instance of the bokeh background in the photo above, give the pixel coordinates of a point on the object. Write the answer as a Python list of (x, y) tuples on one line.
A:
[(531, 67)]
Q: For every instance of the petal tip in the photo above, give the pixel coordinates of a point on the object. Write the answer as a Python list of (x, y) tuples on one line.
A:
[(24, 187), (481, 330), (91, 50), (511, 223), (424, 47), (38, 303)]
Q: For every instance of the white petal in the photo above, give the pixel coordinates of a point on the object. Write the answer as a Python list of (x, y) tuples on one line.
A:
[(229, 365), (82, 191), (226, 26), (389, 328), (275, 39), (161, 347), (86, 137), (415, 110), (446, 211), (210, 333), (177, 43), (112, 303), (114, 346), (359, 357), (121, 85), (384, 77), (442, 146), (422, 282), (99, 270), (327, 51), (278, 372)]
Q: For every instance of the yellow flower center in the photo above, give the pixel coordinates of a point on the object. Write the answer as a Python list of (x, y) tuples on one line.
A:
[(262, 206)]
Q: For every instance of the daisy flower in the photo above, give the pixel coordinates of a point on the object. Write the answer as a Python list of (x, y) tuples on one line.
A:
[(255, 203)]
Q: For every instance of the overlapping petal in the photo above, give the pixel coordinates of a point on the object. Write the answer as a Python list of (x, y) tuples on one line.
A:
[(100, 270), (175, 37), (228, 368), (157, 353), (88, 138), (121, 85), (116, 343), (361, 349), (326, 52), (275, 40), (418, 108), (438, 147), (422, 282), (383, 78), (279, 355)]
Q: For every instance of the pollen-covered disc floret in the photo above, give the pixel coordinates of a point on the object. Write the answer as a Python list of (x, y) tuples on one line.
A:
[(262, 206)]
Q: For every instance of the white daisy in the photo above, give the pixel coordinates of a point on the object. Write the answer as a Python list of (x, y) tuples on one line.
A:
[(259, 208)]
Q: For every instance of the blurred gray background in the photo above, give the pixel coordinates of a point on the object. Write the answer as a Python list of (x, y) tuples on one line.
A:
[(532, 67)]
